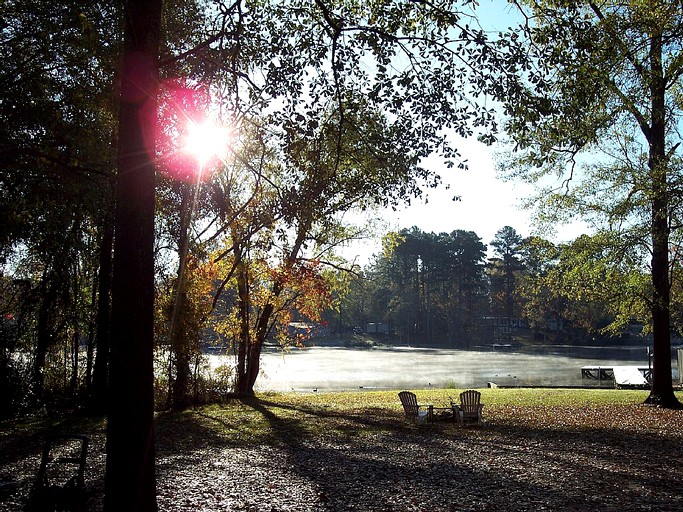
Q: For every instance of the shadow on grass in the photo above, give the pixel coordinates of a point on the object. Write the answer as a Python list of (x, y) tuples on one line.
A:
[(645, 462), (596, 466), (375, 459), (371, 459), (17, 438)]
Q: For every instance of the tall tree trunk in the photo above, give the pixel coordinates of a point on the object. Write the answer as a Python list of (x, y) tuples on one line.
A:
[(130, 481), (90, 349), (254, 353), (244, 342), (180, 390), (662, 388), (263, 322), (180, 395), (75, 347), (44, 336), (249, 350), (102, 336)]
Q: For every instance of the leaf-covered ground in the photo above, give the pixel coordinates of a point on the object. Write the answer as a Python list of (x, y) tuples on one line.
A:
[(552, 450)]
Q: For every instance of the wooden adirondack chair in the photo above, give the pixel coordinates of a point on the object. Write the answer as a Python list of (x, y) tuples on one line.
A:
[(415, 412), (60, 484), (470, 407)]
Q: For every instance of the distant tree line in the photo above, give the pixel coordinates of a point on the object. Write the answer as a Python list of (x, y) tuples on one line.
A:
[(447, 289), (428, 287)]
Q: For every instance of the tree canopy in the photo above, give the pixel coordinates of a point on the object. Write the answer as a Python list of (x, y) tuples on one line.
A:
[(595, 101), (336, 105)]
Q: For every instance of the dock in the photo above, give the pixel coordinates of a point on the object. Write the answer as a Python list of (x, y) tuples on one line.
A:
[(623, 376)]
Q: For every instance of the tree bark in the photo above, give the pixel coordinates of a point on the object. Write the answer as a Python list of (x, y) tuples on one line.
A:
[(44, 335), (244, 343), (102, 337), (254, 354), (249, 353), (90, 349), (130, 482), (180, 396), (662, 388), (73, 380)]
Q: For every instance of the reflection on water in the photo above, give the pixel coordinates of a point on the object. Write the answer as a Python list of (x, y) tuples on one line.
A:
[(334, 368)]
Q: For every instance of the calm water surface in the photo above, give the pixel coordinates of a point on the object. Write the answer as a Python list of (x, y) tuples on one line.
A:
[(335, 368)]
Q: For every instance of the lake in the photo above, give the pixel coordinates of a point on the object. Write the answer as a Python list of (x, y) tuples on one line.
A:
[(337, 368)]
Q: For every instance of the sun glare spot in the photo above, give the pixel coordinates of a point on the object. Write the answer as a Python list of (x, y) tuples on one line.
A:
[(206, 141)]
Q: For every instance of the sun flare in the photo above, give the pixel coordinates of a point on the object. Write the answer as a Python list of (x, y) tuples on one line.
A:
[(206, 140)]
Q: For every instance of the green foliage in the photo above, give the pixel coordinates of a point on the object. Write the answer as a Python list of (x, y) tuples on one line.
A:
[(333, 107), (594, 100), (503, 271), (586, 283), (304, 68), (56, 125), (580, 112), (346, 98), (427, 286)]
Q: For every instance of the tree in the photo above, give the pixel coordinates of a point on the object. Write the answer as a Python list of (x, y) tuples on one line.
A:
[(287, 219), (607, 74), (536, 290), (403, 271), (584, 283), (187, 156), (130, 474), (349, 98), (431, 286), (56, 133), (507, 245), (59, 115), (103, 321), (469, 297)]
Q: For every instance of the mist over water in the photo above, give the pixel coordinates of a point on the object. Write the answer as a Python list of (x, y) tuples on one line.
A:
[(336, 368)]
